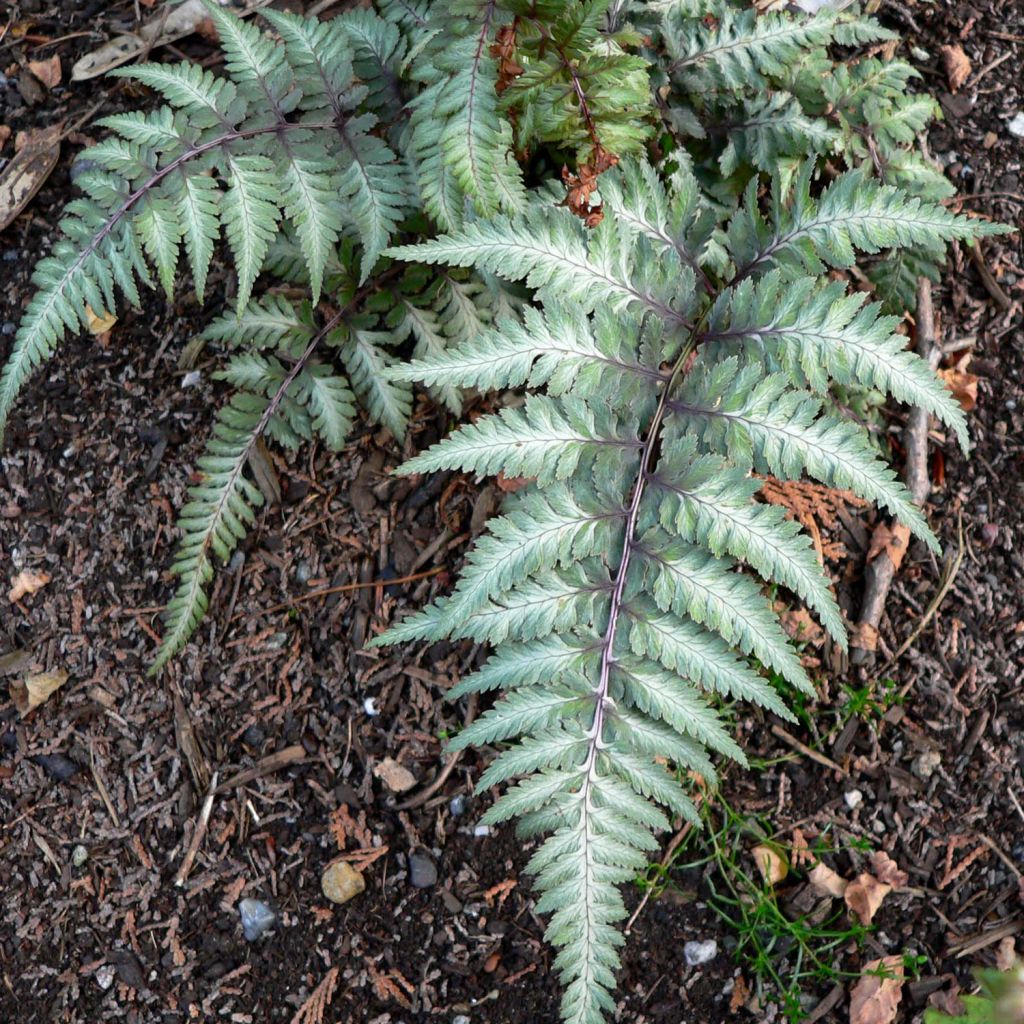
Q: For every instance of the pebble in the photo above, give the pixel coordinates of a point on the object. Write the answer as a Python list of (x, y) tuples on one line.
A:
[(191, 379), (1016, 125), (924, 765), (853, 799), (257, 919), (58, 766), (105, 976), (340, 882), (79, 855), (697, 953), (370, 707), (457, 807), (482, 830), (460, 1019), (422, 871)]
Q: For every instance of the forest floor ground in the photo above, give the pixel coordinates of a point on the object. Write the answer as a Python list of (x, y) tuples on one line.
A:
[(278, 684)]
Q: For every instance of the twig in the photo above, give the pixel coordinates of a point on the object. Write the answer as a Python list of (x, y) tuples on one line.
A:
[(270, 764), (439, 780), (664, 863), (342, 588), (1001, 299), (197, 836), (104, 795), (807, 751), (881, 570)]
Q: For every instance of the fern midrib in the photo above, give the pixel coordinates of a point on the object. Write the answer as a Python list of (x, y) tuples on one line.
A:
[(629, 545), (474, 78)]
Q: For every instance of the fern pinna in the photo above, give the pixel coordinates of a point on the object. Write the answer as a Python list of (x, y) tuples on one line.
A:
[(663, 373)]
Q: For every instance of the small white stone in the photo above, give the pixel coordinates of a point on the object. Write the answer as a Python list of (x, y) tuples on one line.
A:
[(105, 976), (1016, 125), (370, 707), (482, 830), (853, 799), (697, 953), (191, 379), (924, 765), (79, 855), (460, 1019)]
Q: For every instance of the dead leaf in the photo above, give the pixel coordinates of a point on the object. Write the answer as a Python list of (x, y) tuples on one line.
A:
[(36, 155), (826, 882), (47, 71), (893, 540), (99, 323), (262, 465), (875, 999), (25, 583), (886, 870), (801, 627), (395, 776), (740, 994), (773, 867), (1006, 954), (33, 690), (964, 386), (166, 26), (864, 895), (957, 65)]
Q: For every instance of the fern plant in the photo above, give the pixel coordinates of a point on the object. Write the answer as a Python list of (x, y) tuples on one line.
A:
[(674, 308)]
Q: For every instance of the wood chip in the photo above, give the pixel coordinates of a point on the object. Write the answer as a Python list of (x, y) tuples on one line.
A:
[(26, 171)]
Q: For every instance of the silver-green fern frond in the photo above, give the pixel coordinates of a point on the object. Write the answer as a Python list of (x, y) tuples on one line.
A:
[(670, 362)]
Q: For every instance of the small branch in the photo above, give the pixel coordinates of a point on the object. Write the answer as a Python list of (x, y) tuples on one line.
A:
[(881, 570), (270, 764), (1001, 299), (197, 836)]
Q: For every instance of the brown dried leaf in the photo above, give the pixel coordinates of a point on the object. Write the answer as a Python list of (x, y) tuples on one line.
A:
[(171, 23), (47, 71), (1006, 954), (864, 895), (395, 776), (875, 999), (964, 386), (25, 583), (826, 882), (99, 323), (740, 994), (893, 540), (35, 157), (957, 65), (887, 871), (773, 867), (33, 690)]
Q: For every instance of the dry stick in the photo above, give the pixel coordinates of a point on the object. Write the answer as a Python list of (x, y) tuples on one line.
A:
[(267, 766), (881, 570), (197, 836), (1001, 299)]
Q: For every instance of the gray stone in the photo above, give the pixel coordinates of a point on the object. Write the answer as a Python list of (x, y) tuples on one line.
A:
[(257, 919), (697, 953), (422, 871), (79, 855)]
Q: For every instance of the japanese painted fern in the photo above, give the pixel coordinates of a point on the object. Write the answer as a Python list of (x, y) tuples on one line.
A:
[(676, 310), (663, 373)]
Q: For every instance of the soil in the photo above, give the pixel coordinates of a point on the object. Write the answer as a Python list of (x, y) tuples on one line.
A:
[(96, 462)]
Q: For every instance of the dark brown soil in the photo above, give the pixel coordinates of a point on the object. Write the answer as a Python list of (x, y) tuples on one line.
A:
[(94, 467)]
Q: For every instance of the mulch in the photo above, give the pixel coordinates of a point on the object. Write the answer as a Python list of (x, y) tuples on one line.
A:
[(102, 787)]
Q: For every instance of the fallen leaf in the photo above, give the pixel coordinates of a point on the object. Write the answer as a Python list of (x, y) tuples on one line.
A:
[(33, 690), (773, 867), (801, 627), (864, 895), (165, 27), (36, 155), (875, 999), (1006, 954), (826, 882), (395, 776), (25, 583), (893, 540), (957, 65), (47, 71), (98, 323), (740, 994), (886, 870), (964, 386)]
